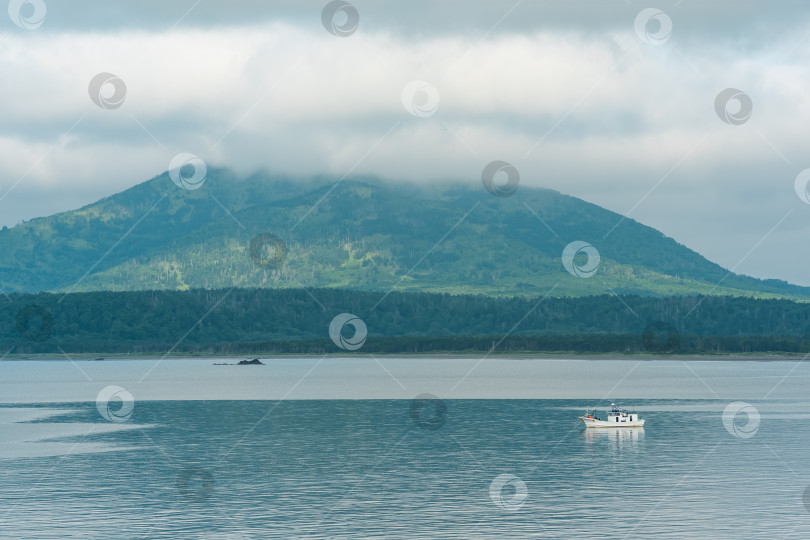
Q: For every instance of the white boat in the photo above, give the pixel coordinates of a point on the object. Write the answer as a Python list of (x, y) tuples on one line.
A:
[(617, 417)]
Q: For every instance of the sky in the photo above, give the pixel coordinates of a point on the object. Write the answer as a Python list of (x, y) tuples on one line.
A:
[(690, 117)]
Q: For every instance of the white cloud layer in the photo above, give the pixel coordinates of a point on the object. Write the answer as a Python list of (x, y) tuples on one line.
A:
[(599, 115)]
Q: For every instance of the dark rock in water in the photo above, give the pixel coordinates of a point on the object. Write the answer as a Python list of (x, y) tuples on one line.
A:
[(254, 362)]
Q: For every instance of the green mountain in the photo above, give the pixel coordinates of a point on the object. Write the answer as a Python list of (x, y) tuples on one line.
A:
[(360, 233)]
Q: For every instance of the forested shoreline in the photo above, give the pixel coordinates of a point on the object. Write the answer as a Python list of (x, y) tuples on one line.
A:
[(297, 321)]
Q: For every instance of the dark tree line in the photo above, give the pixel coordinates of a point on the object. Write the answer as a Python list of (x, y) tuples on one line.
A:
[(248, 321)]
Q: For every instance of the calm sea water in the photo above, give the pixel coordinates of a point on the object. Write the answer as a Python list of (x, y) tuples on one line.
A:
[(186, 457)]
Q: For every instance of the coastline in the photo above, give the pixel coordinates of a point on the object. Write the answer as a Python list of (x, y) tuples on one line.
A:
[(101, 357)]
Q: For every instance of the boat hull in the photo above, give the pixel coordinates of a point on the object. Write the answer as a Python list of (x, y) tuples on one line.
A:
[(594, 423)]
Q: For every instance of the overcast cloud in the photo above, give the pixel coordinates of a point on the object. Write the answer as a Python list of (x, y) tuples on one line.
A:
[(567, 92)]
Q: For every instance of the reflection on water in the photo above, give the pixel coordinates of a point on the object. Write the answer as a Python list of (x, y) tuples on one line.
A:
[(615, 440), (369, 469), (28, 432)]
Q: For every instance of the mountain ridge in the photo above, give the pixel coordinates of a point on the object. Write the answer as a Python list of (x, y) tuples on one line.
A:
[(360, 233)]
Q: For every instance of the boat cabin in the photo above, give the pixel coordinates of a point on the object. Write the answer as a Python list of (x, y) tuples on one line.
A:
[(618, 415)]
